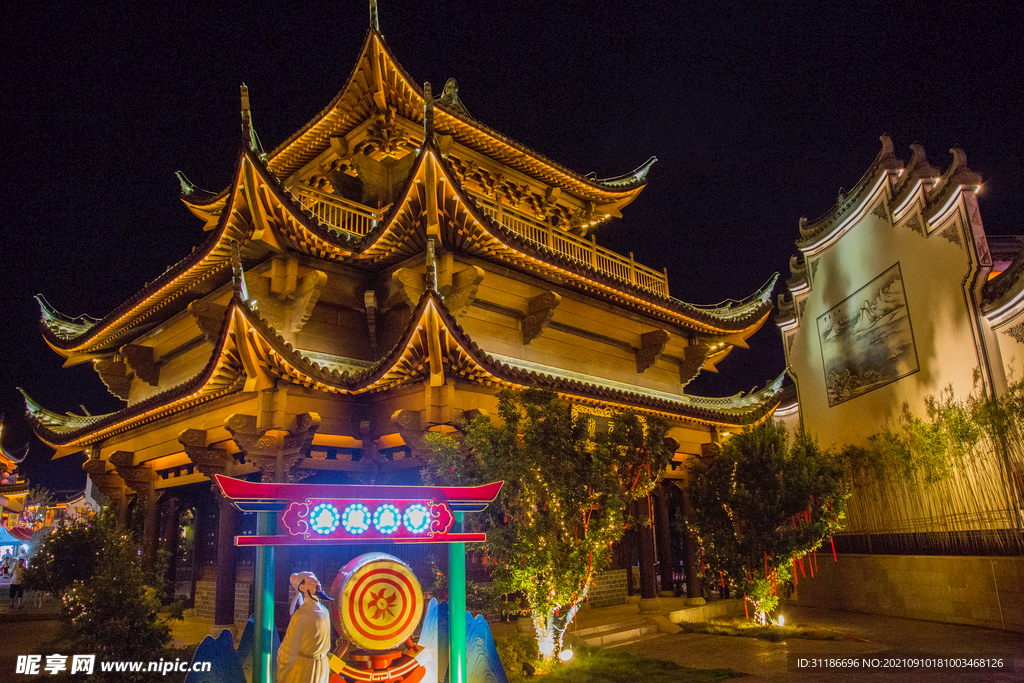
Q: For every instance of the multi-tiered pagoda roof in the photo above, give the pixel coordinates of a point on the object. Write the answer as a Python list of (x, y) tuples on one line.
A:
[(372, 195)]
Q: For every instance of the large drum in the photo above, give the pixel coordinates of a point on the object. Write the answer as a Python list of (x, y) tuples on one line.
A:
[(378, 601)]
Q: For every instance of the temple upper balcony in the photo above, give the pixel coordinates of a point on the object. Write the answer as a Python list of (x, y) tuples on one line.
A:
[(345, 215)]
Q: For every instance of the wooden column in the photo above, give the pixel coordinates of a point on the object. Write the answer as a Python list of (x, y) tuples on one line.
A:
[(170, 533), (691, 560), (645, 533), (666, 559), (224, 601), (213, 461), (276, 453), (142, 479)]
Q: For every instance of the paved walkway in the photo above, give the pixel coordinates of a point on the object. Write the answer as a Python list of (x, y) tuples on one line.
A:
[(870, 636)]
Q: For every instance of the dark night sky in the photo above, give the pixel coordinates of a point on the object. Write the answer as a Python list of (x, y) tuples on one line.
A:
[(758, 112)]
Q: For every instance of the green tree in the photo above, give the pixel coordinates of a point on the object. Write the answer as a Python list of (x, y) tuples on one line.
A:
[(108, 606), (69, 554), (562, 504), (762, 504), (36, 503)]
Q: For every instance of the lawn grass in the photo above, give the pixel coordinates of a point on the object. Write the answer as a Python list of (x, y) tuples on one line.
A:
[(594, 665), (745, 629)]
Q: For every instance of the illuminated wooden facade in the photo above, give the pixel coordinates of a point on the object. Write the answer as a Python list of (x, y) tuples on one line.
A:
[(13, 487), (379, 274)]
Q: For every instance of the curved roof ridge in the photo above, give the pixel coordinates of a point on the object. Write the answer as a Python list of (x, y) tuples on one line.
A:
[(63, 326), (884, 161), (639, 174), (513, 240), (754, 404), (203, 252), (733, 308), (57, 421), (309, 125), (619, 185), (63, 431), (956, 176), (15, 455)]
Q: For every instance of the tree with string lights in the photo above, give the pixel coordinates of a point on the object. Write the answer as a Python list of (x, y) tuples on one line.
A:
[(561, 507), (762, 505)]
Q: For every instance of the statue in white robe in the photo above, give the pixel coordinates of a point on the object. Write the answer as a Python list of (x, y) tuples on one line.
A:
[(302, 657)]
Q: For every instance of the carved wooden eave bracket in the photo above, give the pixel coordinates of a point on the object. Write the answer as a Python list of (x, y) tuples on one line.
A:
[(652, 344), (461, 293), (694, 357), (209, 460), (142, 360), (539, 311), (275, 452), (404, 287), (115, 375), (287, 293), (105, 478), (141, 478), (209, 318)]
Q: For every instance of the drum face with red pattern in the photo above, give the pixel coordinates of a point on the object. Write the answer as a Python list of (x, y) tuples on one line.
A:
[(378, 601)]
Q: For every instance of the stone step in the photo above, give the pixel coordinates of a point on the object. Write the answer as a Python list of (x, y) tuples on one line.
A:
[(621, 636), (614, 626), (641, 639)]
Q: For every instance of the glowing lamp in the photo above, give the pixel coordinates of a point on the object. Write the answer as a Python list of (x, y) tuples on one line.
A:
[(416, 518), (356, 518), (565, 655), (387, 518), (781, 621), (324, 518)]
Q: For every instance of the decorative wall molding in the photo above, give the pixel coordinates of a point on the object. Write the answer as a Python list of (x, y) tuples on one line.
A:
[(917, 225), (882, 212), (1017, 332), (952, 234)]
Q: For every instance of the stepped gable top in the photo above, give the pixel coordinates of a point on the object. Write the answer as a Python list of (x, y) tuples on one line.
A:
[(885, 163), (378, 80), (385, 243), (245, 336), (938, 193)]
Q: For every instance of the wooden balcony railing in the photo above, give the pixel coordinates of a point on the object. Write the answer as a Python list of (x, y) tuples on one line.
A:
[(577, 248), (336, 212), (343, 214)]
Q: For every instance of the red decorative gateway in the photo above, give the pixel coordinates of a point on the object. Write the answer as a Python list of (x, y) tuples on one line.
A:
[(312, 513)]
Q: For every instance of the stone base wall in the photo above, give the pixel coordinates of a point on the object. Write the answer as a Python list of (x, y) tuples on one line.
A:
[(609, 588), (206, 593), (980, 591)]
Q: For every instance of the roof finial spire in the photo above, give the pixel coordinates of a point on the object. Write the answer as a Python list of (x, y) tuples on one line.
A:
[(247, 130), (374, 22), (428, 110)]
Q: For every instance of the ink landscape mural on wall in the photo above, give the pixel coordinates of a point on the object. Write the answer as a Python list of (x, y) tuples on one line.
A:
[(866, 340)]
